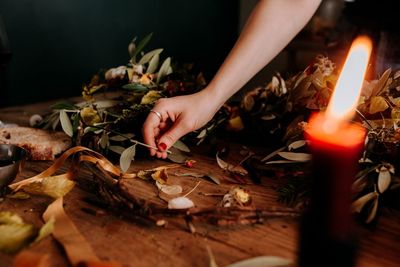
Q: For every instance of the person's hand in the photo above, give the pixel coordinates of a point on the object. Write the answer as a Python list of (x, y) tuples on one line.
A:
[(172, 118)]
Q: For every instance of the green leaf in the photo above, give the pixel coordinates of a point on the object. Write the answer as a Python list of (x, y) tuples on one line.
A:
[(117, 149), (181, 146), (135, 87), (263, 261), (63, 105), (127, 157), (66, 123), (141, 45), (123, 137), (148, 56), (164, 69), (153, 65), (177, 156)]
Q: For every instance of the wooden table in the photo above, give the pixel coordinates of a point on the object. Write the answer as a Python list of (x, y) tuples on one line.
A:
[(134, 244)]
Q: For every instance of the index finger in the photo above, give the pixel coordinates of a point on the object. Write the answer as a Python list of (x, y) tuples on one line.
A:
[(150, 126)]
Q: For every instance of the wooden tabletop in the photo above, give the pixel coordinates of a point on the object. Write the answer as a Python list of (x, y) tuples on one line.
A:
[(133, 243)]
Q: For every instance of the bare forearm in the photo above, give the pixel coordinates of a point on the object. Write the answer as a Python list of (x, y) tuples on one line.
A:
[(270, 27)]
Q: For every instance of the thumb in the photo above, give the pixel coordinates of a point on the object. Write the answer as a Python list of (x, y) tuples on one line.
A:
[(169, 138)]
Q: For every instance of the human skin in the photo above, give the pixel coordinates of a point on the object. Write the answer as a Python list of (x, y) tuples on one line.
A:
[(270, 27)]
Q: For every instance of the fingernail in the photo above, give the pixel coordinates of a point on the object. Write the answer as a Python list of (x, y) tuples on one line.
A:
[(162, 146)]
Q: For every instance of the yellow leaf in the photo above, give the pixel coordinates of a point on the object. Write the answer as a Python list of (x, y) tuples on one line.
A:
[(378, 104)]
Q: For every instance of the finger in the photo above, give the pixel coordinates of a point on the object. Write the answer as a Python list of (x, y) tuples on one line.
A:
[(150, 130), (169, 138)]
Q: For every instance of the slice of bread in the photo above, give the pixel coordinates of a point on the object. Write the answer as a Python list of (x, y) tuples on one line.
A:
[(40, 144)]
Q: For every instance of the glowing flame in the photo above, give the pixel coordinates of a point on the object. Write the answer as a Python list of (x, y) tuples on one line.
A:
[(348, 87)]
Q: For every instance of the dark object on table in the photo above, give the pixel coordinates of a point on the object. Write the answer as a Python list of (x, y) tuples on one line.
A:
[(11, 161)]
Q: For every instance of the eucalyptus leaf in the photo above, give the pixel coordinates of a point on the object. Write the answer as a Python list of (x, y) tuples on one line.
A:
[(297, 144), (384, 179), (122, 137), (181, 146), (141, 45), (66, 123), (299, 157), (177, 155), (202, 134), (104, 140), (63, 105), (272, 154), (117, 149), (263, 261), (359, 204), (127, 157), (164, 69), (153, 65), (148, 56), (135, 87), (373, 210), (169, 189), (213, 178), (54, 123), (280, 162)]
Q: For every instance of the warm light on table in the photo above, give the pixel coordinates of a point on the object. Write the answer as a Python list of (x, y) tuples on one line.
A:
[(327, 237)]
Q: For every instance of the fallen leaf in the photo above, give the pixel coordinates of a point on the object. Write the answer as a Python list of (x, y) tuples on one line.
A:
[(263, 261), (160, 176), (229, 167), (169, 189), (378, 104), (299, 157), (46, 230), (53, 186), (127, 157), (180, 203)]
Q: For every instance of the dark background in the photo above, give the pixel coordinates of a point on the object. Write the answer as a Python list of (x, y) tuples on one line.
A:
[(57, 45)]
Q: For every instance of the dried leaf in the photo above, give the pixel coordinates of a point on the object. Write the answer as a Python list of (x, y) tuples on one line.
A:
[(263, 261), (15, 236), (202, 134), (213, 178), (181, 146), (52, 186), (280, 162), (272, 154), (297, 144), (229, 167), (378, 104), (380, 85), (169, 189), (7, 217), (384, 179), (164, 69), (180, 203), (359, 204), (211, 256), (192, 174), (268, 117), (153, 65), (66, 123), (373, 210), (160, 176), (299, 157), (127, 157), (46, 230), (18, 195)]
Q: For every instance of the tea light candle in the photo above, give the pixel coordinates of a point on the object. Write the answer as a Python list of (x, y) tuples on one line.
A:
[(336, 144)]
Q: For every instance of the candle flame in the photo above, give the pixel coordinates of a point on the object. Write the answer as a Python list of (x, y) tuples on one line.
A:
[(348, 87)]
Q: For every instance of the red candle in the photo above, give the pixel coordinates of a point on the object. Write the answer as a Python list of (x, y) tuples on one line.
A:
[(326, 233)]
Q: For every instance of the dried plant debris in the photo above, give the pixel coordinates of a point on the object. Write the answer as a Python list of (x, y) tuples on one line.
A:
[(15, 234), (263, 261), (236, 197)]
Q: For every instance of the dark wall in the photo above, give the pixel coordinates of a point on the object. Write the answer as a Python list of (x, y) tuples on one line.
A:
[(57, 45)]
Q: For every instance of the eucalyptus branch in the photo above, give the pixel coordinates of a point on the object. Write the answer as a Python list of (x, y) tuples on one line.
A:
[(128, 138)]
